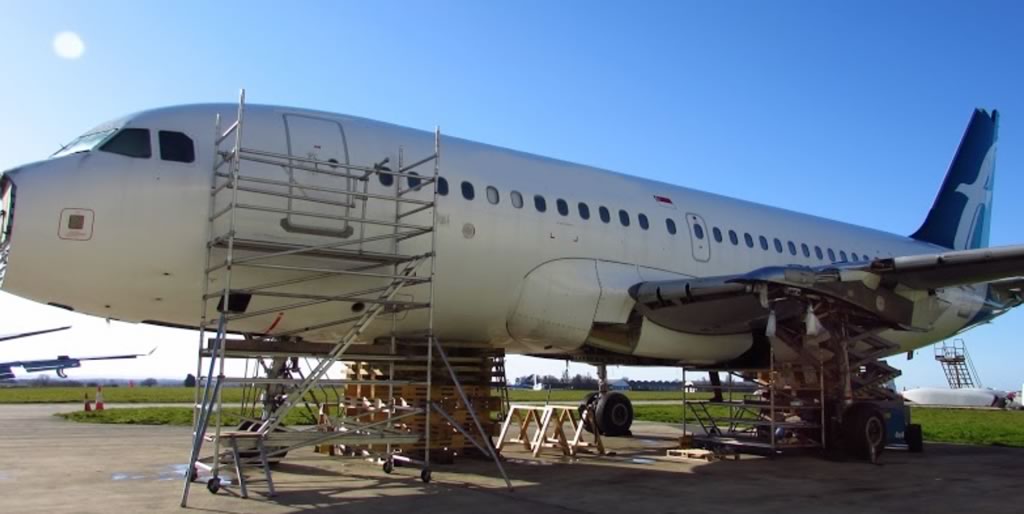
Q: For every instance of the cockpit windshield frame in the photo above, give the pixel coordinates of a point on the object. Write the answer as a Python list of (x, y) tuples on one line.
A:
[(85, 142)]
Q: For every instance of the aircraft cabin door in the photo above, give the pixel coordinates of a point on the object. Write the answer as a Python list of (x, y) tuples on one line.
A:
[(699, 237), (319, 191)]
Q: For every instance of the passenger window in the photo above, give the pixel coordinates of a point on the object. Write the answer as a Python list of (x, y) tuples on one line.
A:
[(442, 186), (792, 247), (467, 191), (540, 203), (831, 255), (413, 180), (817, 251), (604, 214), (764, 242), (717, 233), (624, 218), (385, 179), (778, 245), (733, 239), (584, 211), (853, 257), (563, 208), (517, 200), (749, 239), (842, 255), (804, 248), (131, 142), (642, 220), (670, 225), (176, 147), (492, 195)]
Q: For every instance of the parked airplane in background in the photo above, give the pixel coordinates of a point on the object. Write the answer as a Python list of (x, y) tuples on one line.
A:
[(58, 365), (535, 255)]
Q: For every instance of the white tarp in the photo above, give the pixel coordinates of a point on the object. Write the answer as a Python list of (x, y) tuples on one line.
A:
[(956, 397)]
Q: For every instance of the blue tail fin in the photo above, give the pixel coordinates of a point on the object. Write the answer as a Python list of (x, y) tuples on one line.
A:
[(960, 217)]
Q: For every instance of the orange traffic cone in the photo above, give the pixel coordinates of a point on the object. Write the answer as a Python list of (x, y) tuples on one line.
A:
[(88, 403), (99, 397)]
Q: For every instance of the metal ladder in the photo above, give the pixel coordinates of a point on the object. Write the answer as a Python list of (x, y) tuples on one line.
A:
[(957, 364), (500, 382)]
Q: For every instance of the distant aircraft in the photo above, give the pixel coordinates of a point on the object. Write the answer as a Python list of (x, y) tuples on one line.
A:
[(58, 365), (535, 255), (8, 337)]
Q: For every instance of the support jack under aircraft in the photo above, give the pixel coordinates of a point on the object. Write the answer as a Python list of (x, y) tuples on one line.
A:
[(534, 256)]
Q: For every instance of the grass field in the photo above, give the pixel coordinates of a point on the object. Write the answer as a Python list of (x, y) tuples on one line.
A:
[(964, 426), (234, 394), (180, 416), (110, 394)]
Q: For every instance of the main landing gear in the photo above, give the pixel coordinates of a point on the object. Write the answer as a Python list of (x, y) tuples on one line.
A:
[(613, 410)]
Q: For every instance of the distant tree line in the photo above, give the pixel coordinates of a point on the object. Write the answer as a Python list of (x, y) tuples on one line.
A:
[(565, 382)]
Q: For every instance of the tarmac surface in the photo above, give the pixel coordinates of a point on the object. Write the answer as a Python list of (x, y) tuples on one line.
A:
[(53, 466)]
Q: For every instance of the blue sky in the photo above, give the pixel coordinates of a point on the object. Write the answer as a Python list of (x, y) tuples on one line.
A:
[(848, 111)]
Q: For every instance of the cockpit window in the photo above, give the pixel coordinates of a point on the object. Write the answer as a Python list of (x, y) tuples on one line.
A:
[(177, 147), (132, 142), (84, 143)]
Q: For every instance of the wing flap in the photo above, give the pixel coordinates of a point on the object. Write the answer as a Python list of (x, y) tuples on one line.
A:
[(933, 271)]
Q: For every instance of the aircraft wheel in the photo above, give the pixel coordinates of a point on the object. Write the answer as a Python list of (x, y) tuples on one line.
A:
[(914, 438), (389, 466), (425, 475), (864, 432), (614, 415)]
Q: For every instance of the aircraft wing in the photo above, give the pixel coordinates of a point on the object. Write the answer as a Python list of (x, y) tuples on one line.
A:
[(739, 303), (8, 337), (59, 364), (933, 271)]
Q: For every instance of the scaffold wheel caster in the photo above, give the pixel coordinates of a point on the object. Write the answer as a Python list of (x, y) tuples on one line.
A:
[(213, 485), (425, 476), (389, 466)]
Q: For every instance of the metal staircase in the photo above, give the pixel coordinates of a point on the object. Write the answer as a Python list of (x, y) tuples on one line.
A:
[(957, 364), (368, 257)]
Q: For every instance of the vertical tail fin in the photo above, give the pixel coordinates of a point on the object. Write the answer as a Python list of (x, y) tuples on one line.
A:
[(960, 217)]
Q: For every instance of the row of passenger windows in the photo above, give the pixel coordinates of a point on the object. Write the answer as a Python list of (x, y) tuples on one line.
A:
[(605, 215), (777, 244), (134, 142)]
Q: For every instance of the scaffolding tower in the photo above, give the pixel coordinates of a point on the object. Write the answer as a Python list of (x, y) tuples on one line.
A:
[(957, 364), (792, 403), (339, 251)]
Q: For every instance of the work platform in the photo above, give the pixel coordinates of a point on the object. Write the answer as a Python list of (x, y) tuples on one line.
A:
[(822, 378), (308, 222)]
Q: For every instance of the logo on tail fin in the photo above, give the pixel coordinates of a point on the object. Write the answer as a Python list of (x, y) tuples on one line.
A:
[(960, 216), (973, 229)]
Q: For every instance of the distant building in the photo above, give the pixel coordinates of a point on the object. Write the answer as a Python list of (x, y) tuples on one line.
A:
[(657, 385), (620, 384)]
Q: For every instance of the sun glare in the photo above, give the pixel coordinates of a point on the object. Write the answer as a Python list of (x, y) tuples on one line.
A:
[(68, 45)]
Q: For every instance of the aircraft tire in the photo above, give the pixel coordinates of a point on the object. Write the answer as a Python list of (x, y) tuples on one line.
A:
[(614, 414), (864, 432), (914, 438)]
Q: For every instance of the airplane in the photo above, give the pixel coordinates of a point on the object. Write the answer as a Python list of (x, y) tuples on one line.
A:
[(534, 255), (58, 365)]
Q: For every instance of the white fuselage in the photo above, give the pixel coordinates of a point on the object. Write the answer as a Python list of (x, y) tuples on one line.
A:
[(142, 253)]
